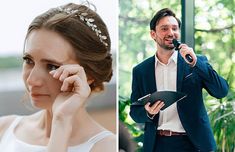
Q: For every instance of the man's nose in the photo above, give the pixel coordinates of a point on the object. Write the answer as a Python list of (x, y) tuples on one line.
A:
[(35, 77), (171, 32)]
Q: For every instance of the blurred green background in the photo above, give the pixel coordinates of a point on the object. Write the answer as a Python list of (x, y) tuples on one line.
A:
[(214, 37)]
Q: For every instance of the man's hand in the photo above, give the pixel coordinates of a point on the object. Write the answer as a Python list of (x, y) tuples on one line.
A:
[(184, 49), (155, 108)]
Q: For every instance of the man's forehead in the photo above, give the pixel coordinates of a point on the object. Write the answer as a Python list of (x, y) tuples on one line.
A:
[(167, 21)]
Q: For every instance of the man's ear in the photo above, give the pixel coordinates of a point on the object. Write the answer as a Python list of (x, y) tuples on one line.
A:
[(153, 34)]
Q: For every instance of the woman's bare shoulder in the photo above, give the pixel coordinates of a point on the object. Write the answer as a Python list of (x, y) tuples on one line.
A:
[(5, 122), (108, 144)]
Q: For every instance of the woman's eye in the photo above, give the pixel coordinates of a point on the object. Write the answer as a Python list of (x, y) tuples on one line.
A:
[(27, 60), (52, 67)]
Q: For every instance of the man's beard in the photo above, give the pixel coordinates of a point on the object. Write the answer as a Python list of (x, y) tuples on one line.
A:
[(164, 46)]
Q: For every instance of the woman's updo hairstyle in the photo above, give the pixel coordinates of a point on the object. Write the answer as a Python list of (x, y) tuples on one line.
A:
[(84, 29)]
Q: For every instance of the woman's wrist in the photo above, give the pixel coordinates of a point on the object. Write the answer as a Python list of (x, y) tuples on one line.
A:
[(62, 123), (60, 134)]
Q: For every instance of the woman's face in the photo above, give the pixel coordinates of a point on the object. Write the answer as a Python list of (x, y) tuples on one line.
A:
[(45, 51)]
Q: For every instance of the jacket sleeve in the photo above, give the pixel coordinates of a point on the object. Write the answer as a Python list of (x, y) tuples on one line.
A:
[(215, 85), (137, 113)]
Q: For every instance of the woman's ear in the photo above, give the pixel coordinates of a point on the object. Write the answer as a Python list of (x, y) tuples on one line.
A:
[(90, 81)]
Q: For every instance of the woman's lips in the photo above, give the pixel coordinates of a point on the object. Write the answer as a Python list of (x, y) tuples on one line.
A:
[(38, 95)]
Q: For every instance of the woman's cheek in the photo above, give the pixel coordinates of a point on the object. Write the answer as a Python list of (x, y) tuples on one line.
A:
[(55, 86), (25, 75)]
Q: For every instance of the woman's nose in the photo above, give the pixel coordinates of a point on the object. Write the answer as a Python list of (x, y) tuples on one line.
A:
[(35, 78)]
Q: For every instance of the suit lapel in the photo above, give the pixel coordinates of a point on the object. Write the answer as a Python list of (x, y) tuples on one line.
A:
[(180, 72), (150, 77)]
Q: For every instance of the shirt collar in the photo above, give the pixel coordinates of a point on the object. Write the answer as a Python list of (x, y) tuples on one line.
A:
[(173, 58)]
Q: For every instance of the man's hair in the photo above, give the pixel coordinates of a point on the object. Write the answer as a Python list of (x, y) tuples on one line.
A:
[(159, 15)]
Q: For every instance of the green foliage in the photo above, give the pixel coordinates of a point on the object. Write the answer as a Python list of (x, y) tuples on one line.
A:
[(135, 130), (135, 43), (10, 62), (214, 37)]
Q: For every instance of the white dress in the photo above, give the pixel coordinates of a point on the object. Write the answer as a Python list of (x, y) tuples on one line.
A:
[(9, 142)]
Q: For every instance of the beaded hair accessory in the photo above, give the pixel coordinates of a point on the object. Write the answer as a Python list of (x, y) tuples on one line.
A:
[(90, 22)]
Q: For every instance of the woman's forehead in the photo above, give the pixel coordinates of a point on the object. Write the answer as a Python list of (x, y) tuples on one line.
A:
[(50, 44)]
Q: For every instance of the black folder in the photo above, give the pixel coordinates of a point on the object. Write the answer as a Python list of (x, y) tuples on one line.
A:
[(168, 97)]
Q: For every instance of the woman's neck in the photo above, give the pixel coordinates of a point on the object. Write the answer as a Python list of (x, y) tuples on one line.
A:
[(81, 120), (44, 122)]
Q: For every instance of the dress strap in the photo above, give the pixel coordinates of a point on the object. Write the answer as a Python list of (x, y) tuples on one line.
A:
[(99, 137), (15, 122), (9, 132)]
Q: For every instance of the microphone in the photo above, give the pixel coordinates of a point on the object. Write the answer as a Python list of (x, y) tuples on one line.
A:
[(176, 44)]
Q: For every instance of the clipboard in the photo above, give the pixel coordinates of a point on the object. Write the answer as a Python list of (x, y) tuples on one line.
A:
[(168, 97)]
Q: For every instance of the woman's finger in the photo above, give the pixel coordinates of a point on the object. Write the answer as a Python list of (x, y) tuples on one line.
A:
[(64, 69), (57, 72), (78, 86), (64, 75), (68, 70), (82, 74), (72, 80)]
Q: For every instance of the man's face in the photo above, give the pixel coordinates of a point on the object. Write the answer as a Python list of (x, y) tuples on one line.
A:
[(166, 30)]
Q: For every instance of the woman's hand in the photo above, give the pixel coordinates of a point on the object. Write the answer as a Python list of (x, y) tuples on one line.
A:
[(74, 90)]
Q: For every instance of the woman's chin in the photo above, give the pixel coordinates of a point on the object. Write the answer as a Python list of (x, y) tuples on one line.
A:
[(40, 104)]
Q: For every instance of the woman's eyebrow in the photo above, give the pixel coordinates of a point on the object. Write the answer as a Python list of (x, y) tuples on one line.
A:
[(52, 61), (27, 55), (45, 59)]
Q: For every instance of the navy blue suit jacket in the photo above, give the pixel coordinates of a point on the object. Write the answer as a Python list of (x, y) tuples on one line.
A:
[(191, 110)]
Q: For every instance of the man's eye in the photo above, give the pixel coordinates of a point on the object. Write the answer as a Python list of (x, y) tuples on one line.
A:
[(164, 29), (27, 60), (52, 67)]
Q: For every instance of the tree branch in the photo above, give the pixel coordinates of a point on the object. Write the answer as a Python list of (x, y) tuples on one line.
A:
[(145, 22), (133, 19), (216, 29)]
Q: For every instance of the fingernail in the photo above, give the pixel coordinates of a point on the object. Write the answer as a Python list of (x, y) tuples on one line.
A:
[(62, 89), (52, 72)]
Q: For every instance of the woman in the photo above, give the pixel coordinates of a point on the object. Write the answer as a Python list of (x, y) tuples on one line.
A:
[(66, 57)]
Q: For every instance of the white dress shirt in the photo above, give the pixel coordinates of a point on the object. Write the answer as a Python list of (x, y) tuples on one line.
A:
[(165, 75)]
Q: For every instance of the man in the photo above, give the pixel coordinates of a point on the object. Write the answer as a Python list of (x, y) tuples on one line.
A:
[(183, 126)]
